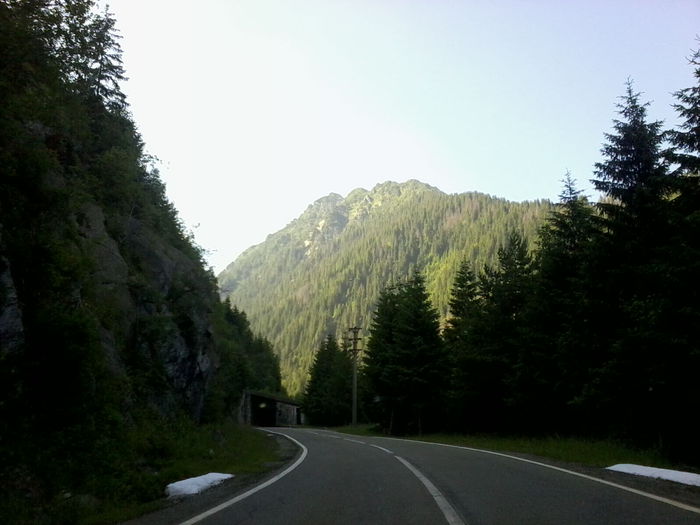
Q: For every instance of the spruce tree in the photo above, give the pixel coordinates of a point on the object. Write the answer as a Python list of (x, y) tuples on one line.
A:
[(686, 140), (633, 173), (501, 329), (459, 341), (327, 400), (628, 281), (680, 390), (405, 362), (559, 350)]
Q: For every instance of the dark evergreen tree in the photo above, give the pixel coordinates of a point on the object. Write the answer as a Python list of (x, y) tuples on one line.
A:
[(380, 367), (633, 173), (405, 362), (680, 391), (462, 298), (686, 140), (559, 351), (500, 329), (465, 307), (328, 396), (633, 312)]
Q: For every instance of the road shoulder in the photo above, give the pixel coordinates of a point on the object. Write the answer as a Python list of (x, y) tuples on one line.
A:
[(688, 494), (181, 509)]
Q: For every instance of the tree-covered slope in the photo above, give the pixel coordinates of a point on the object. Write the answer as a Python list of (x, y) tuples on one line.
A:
[(111, 327), (323, 272)]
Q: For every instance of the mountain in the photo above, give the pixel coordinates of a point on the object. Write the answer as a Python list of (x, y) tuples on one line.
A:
[(322, 273)]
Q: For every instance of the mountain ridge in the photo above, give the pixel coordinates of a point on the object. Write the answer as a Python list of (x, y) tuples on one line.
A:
[(324, 270)]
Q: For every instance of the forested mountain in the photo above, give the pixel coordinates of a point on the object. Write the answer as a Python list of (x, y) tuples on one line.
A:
[(111, 329), (323, 272), (594, 333)]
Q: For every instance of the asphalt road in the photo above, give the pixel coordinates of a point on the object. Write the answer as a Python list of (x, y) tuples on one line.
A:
[(342, 479)]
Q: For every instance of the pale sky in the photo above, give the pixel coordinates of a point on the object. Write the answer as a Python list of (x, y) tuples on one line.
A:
[(257, 108)]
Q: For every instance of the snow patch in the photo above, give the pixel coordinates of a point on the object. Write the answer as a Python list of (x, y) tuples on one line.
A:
[(195, 485), (687, 478)]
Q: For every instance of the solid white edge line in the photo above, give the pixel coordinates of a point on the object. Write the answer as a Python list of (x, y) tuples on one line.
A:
[(678, 504), (255, 489), (447, 510)]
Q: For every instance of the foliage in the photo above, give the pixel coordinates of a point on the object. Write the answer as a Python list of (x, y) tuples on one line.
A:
[(246, 361), (110, 323), (323, 273), (484, 336), (595, 333), (405, 361), (686, 140), (328, 395), (128, 477)]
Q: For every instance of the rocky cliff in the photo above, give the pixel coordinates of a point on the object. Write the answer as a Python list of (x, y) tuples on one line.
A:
[(112, 332)]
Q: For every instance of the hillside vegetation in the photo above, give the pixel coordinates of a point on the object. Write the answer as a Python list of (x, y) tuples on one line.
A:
[(112, 334), (323, 273), (593, 334)]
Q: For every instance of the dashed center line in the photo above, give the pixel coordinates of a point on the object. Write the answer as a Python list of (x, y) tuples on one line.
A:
[(382, 448), (448, 511)]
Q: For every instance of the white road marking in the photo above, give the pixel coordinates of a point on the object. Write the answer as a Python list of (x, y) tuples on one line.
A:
[(355, 441), (678, 504), (381, 448), (447, 510), (255, 489)]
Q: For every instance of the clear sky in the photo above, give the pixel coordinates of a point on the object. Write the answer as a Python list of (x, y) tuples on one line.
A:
[(257, 108)]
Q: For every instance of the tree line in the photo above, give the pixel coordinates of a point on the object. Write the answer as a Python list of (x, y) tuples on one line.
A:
[(308, 280), (591, 331), (113, 339)]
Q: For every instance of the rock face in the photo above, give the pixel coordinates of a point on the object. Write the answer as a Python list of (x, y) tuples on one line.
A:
[(148, 299), (11, 328)]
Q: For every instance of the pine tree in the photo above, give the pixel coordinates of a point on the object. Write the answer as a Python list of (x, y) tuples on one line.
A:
[(501, 330), (633, 173), (328, 396), (679, 392), (687, 140), (559, 352), (405, 362), (628, 281), (459, 341)]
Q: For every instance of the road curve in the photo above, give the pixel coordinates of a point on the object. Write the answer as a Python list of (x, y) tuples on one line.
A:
[(345, 479)]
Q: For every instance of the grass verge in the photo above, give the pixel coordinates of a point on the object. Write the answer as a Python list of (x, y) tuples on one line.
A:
[(193, 451), (589, 452), (125, 475)]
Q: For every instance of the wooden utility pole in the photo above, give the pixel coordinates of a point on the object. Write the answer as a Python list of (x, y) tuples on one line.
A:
[(354, 339)]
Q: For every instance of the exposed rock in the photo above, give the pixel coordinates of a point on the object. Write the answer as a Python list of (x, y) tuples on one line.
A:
[(11, 328)]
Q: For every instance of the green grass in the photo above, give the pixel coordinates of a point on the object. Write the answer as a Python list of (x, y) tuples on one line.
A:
[(589, 452), (124, 472), (192, 451)]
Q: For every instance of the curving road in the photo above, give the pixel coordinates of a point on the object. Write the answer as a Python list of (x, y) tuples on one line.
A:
[(341, 479)]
